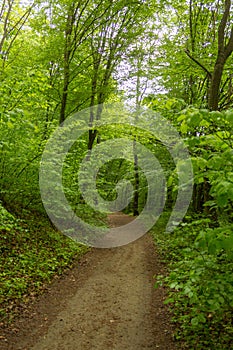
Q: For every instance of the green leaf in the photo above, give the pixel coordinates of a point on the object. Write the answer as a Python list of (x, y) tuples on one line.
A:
[(195, 321), (168, 301), (184, 127)]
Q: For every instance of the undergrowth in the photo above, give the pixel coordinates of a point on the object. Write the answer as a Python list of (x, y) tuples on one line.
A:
[(32, 254), (199, 256)]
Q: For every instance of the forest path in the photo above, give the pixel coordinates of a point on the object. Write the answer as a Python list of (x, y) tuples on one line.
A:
[(106, 302)]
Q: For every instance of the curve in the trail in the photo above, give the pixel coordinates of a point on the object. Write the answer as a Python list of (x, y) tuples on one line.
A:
[(114, 307)]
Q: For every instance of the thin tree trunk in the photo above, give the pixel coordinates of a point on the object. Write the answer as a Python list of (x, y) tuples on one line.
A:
[(67, 53), (136, 181), (136, 173)]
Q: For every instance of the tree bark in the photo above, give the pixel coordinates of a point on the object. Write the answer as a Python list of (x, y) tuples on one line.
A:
[(224, 51), (213, 99)]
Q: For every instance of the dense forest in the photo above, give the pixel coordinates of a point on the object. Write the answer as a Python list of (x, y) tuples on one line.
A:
[(60, 57)]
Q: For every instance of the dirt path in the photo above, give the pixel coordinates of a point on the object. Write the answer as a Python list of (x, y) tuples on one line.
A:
[(107, 302)]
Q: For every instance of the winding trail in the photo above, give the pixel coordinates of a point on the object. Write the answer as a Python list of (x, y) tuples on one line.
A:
[(106, 302)]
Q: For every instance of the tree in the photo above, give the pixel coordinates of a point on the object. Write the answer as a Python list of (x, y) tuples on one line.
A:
[(223, 30), (225, 49), (109, 44), (12, 19), (197, 44), (81, 17)]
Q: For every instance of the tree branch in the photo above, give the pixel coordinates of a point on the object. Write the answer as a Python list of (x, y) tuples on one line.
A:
[(222, 25), (198, 63), (229, 46)]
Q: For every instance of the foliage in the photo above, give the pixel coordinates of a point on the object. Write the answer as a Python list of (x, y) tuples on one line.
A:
[(58, 57), (200, 251), (113, 171), (32, 253), (198, 43), (200, 261)]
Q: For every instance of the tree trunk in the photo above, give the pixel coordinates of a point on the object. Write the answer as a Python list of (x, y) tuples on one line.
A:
[(64, 95), (67, 53), (136, 181), (213, 98), (225, 49)]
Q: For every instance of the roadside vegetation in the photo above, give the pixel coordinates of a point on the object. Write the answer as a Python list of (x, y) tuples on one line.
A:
[(32, 254), (199, 253)]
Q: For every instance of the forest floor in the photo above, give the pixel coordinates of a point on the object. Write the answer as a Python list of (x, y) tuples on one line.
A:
[(107, 301)]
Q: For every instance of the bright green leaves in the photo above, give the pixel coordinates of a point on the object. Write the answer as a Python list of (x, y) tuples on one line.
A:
[(200, 264), (229, 117), (210, 140), (194, 119), (223, 192), (199, 164), (214, 241), (184, 128), (200, 252), (220, 176)]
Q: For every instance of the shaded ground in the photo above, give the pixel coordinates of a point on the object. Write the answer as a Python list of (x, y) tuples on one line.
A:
[(106, 302)]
